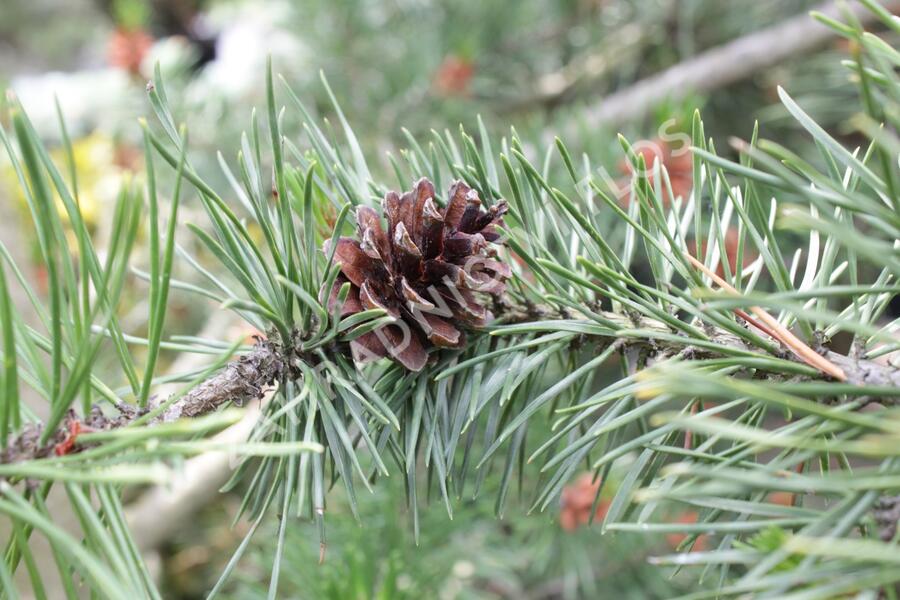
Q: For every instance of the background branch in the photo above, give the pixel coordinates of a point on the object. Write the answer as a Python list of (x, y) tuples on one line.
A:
[(725, 64), (162, 510)]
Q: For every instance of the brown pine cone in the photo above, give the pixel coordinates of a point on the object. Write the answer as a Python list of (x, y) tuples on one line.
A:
[(431, 270), (577, 500)]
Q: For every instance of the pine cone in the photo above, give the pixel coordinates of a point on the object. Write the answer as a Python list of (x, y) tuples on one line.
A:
[(431, 270)]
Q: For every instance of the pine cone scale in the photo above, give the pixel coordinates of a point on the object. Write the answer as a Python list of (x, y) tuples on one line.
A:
[(442, 332), (456, 205), (412, 297), (423, 193), (371, 233), (432, 231), (356, 265), (371, 299)]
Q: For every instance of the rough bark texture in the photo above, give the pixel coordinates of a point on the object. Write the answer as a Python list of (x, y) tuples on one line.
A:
[(887, 516), (243, 379), (239, 381)]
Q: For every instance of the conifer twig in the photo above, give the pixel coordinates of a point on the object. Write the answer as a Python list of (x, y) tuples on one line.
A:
[(776, 329), (239, 381), (860, 372), (887, 517)]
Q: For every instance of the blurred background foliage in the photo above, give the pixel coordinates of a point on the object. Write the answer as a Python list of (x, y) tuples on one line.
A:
[(475, 555), (401, 64), (398, 68)]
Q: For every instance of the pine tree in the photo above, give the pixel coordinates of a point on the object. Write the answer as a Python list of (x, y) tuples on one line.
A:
[(744, 318)]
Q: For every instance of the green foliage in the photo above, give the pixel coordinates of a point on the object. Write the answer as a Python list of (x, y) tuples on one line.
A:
[(475, 555), (130, 14), (524, 66), (608, 331), (771, 540)]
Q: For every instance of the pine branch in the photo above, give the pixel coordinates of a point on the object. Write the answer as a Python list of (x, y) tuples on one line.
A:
[(859, 372), (282, 291), (240, 381), (247, 378), (887, 516)]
